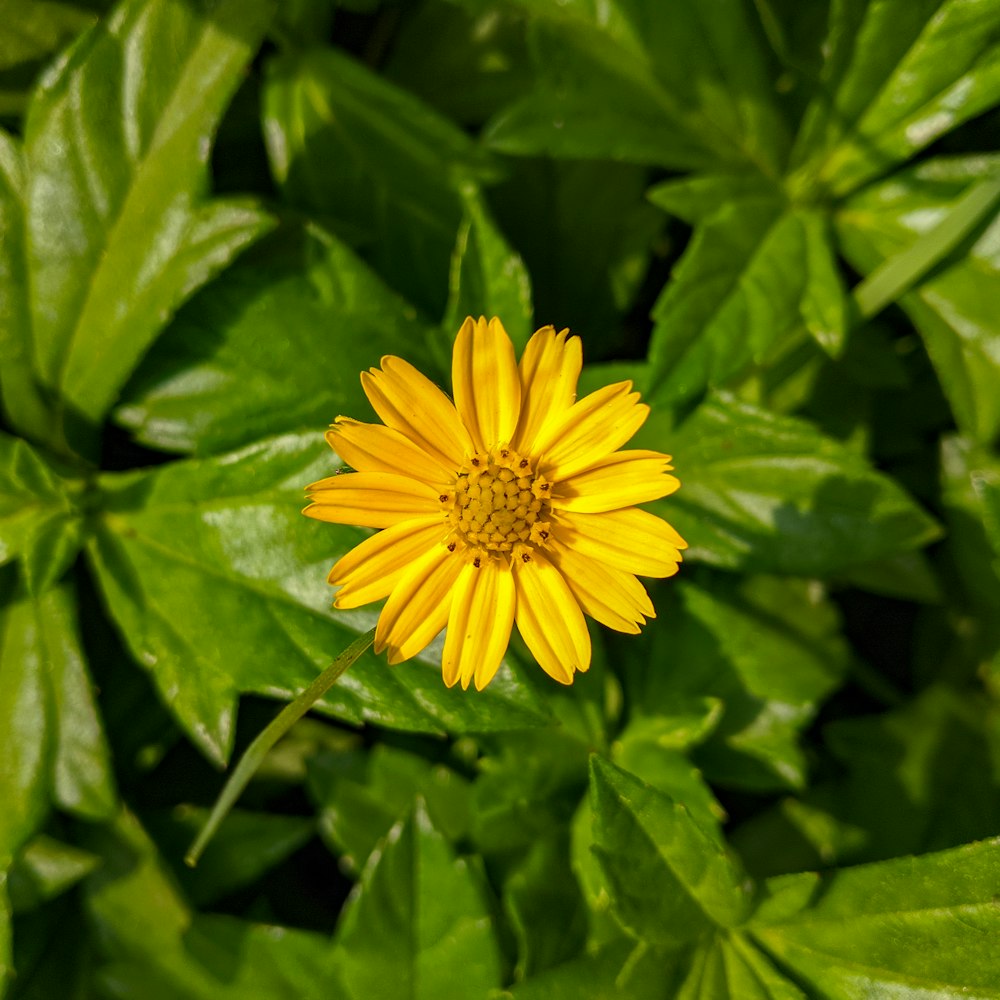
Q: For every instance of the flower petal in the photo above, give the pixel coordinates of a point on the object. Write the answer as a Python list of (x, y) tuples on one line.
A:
[(482, 615), (413, 405), (418, 606), (632, 540), (371, 499), (622, 479), (549, 618), (374, 448), (549, 369), (485, 381), (372, 568), (589, 430), (613, 597)]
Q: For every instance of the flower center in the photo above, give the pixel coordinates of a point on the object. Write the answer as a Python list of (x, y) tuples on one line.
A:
[(499, 502)]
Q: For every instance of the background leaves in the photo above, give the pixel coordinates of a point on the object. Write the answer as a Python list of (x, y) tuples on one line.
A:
[(778, 220)]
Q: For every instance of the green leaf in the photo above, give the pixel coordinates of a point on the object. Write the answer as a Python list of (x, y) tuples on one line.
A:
[(381, 167), (275, 344), (417, 922), (247, 845), (119, 231), (46, 868), (33, 31), (217, 584), (545, 907), (156, 949), (951, 306), (755, 274), (921, 778), (898, 75), (912, 926), (487, 277), (670, 882), (362, 795), (54, 744), (20, 395), (732, 968), (671, 84), (620, 969), (25, 713), (39, 514), (770, 494), (770, 649)]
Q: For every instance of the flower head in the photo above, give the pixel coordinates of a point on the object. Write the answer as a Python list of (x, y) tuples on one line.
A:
[(511, 504)]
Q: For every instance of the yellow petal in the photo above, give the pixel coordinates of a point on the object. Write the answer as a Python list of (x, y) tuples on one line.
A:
[(418, 606), (549, 369), (549, 618), (622, 479), (613, 597), (371, 499), (372, 568), (482, 615), (486, 383), (413, 405), (374, 448), (632, 540), (589, 431)]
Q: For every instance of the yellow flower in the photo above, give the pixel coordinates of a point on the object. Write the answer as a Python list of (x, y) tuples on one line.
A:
[(512, 504)]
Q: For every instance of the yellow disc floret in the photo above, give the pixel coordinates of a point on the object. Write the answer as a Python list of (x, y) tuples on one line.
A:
[(499, 502)]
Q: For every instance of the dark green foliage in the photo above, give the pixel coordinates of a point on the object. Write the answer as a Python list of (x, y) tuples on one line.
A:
[(779, 219)]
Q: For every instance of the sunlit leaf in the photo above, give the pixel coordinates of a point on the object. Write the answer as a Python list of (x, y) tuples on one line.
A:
[(671, 84), (382, 168), (670, 881), (275, 344), (903, 926), (218, 585), (952, 306), (119, 232), (769, 493), (898, 74), (417, 922)]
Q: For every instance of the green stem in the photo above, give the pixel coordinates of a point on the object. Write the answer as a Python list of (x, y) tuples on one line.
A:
[(260, 747)]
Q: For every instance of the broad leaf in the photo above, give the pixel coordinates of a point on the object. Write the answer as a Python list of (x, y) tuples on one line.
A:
[(771, 494), (546, 909), (40, 515), (276, 343), (678, 85), (119, 232), (620, 969), (417, 923), (769, 649), (45, 868), (755, 275), (246, 846), (361, 796), (953, 307), (381, 167), (54, 749), (731, 967), (20, 395), (217, 584), (916, 926), (898, 74), (155, 948), (670, 881)]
